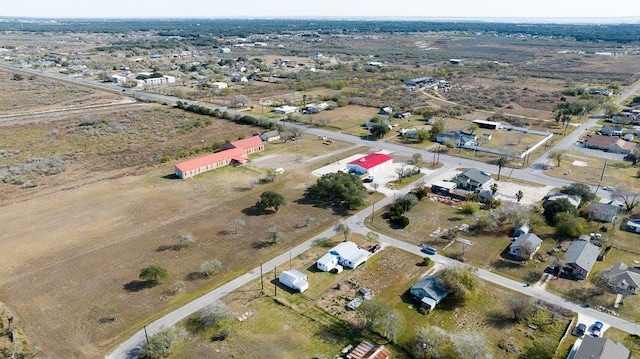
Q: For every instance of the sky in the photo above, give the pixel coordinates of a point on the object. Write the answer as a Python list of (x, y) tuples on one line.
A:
[(525, 9)]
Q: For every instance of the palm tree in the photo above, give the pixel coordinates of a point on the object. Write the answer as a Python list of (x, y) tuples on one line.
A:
[(494, 188), (519, 196), (502, 161)]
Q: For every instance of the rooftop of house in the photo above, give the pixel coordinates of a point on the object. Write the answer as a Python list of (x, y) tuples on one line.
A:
[(476, 175), (601, 348), (622, 273), (583, 254), (530, 238)]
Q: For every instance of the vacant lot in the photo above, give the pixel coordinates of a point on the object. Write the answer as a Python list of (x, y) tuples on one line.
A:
[(580, 168)]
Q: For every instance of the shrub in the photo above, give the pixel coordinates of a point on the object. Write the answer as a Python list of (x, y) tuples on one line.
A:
[(402, 221), (470, 208)]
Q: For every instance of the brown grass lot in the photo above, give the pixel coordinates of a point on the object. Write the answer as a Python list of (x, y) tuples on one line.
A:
[(77, 240), (616, 173)]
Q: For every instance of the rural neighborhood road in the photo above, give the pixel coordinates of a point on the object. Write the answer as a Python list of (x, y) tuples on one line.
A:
[(130, 348)]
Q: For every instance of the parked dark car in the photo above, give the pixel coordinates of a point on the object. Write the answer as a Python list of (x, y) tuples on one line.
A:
[(580, 329), (429, 250)]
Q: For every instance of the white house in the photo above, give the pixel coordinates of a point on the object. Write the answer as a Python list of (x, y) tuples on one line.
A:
[(283, 110), (294, 279), (118, 79), (219, 85), (346, 254), (225, 50)]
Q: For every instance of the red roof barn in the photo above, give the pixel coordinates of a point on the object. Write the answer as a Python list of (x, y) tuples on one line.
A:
[(370, 163)]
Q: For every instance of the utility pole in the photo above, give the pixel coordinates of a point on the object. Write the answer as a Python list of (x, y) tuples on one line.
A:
[(373, 211), (275, 282), (261, 280), (289, 259), (145, 334)]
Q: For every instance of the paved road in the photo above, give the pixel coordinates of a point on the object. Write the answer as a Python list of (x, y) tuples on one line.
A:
[(130, 348)]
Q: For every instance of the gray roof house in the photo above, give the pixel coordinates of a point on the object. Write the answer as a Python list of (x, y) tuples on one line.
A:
[(603, 212), (623, 278), (611, 130), (580, 258), (270, 136), (521, 229), (429, 291), (472, 179), (601, 348), (525, 246), (574, 199)]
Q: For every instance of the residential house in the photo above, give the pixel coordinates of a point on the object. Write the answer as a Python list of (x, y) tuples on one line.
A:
[(603, 92), (219, 85), (118, 79), (366, 350), (429, 291), (409, 132), (225, 50), (633, 225), (521, 229), (609, 144), (419, 81), (286, 109), (603, 212), (294, 279), (623, 278), (234, 152), (525, 246), (270, 136), (611, 130), (580, 258), (572, 198), (160, 80), (370, 164), (387, 111), (458, 138), (623, 118), (346, 254), (315, 108), (472, 180), (601, 348), (443, 188), (491, 125)]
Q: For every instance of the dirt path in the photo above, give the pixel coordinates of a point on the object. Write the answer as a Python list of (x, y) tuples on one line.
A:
[(44, 115)]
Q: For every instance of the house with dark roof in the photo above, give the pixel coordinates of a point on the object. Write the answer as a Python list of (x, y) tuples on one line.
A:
[(580, 258), (525, 246), (623, 278), (609, 144), (601, 348), (270, 136), (472, 179), (603, 212), (429, 291)]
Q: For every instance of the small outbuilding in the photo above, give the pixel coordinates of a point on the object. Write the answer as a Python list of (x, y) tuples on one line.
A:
[(347, 254), (294, 279)]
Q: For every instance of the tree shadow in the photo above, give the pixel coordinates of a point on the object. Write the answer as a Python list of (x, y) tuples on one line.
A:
[(455, 219), (138, 285), (170, 177), (195, 276), (225, 232), (261, 244), (254, 211), (499, 320), (502, 263), (171, 247)]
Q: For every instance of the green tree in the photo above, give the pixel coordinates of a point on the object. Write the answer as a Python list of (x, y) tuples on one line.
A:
[(431, 342), (472, 128), (494, 188), (417, 158), (502, 161), (429, 112), (381, 318), (270, 199), (568, 225), (423, 135), (342, 190), (460, 282), (610, 109), (379, 130), (519, 195), (579, 189), (153, 273), (437, 128), (562, 205), (159, 344)]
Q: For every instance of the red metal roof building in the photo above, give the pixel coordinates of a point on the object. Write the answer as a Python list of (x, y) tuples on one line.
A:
[(236, 151), (366, 350), (370, 163)]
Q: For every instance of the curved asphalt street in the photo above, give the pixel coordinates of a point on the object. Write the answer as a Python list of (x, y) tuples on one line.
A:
[(130, 348)]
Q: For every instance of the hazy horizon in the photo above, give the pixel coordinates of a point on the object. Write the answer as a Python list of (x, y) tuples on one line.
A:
[(540, 11)]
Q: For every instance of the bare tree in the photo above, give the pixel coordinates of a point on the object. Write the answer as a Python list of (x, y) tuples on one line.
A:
[(519, 306), (238, 222), (431, 342), (210, 267), (557, 156), (308, 219), (513, 213), (375, 186), (184, 238), (471, 345), (344, 229), (242, 101), (373, 236), (629, 197), (274, 235), (417, 158)]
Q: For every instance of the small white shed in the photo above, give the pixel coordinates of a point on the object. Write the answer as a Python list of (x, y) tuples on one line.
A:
[(294, 279)]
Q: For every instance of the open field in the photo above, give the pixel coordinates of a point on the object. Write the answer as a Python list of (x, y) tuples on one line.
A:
[(616, 173)]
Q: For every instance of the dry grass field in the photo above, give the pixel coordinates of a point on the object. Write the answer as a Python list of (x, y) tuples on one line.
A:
[(615, 173)]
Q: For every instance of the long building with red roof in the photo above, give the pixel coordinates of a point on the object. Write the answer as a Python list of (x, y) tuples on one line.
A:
[(235, 152)]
